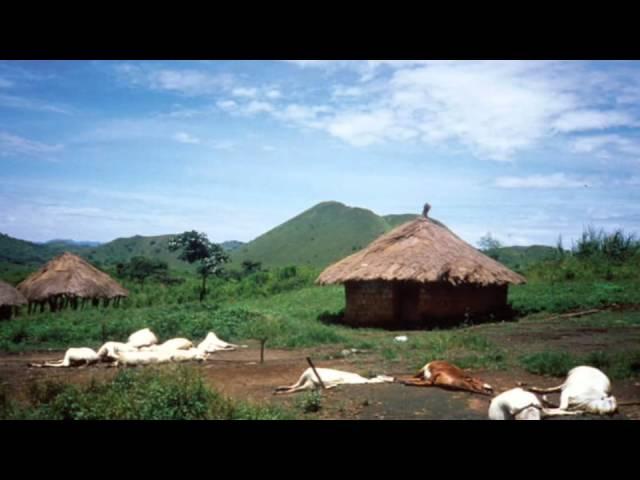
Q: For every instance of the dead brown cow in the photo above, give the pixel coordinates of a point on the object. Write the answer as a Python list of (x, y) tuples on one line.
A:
[(445, 375)]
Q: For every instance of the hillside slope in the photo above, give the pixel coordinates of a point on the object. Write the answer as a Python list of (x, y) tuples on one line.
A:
[(519, 258), (319, 236)]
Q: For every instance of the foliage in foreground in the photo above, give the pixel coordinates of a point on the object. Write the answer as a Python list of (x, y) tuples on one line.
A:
[(617, 365), (177, 393)]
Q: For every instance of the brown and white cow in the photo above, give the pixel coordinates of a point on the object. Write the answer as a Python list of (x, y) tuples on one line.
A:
[(443, 374)]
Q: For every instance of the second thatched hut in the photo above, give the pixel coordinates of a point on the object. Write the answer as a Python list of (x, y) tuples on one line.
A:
[(10, 300), (420, 275), (68, 280)]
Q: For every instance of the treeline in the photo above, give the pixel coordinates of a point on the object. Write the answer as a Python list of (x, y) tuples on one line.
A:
[(596, 255), (151, 283)]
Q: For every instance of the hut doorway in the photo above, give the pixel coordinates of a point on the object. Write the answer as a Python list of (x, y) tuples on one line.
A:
[(406, 296)]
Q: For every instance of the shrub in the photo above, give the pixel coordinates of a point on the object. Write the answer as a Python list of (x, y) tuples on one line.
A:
[(556, 364), (177, 393), (310, 401)]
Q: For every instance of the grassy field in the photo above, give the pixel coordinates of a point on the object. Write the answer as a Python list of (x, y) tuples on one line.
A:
[(178, 393), (284, 306)]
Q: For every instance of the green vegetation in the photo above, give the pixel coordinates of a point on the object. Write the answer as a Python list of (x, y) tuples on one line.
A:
[(310, 401), (172, 393), (195, 247), (317, 237), (24, 257), (617, 365), (283, 306), (141, 268)]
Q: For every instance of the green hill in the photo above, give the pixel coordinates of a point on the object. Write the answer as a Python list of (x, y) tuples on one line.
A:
[(21, 254), (519, 258), (319, 236)]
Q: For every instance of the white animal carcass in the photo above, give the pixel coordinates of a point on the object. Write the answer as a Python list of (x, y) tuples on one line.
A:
[(331, 378), (173, 344), (192, 354), (73, 357), (213, 344), (132, 359), (142, 338), (586, 389), (109, 351), (515, 404)]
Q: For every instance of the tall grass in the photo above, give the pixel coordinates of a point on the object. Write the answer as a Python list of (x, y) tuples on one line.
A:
[(617, 365), (151, 394)]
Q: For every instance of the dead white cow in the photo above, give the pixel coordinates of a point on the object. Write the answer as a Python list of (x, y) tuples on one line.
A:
[(134, 359), (331, 378), (142, 338), (515, 404), (73, 357), (109, 351), (173, 344), (192, 354), (586, 389), (213, 344)]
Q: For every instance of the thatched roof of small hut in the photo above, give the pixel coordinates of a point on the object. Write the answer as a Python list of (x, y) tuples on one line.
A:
[(422, 250), (10, 296), (72, 276)]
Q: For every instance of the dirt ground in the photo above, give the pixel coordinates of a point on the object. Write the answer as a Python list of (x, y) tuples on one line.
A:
[(239, 375)]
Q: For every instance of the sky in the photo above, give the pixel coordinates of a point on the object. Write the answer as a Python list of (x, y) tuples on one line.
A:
[(525, 150)]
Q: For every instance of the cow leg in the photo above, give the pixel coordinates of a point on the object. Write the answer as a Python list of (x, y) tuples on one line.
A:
[(559, 412), (418, 383)]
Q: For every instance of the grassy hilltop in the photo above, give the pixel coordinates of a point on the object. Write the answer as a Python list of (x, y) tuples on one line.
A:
[(319, 236)]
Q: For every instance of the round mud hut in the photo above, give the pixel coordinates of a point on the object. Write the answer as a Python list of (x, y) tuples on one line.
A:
[(420, 275), (70, 281), (10, 300)]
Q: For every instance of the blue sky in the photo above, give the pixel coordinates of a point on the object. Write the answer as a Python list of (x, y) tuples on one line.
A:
[(526, 150)]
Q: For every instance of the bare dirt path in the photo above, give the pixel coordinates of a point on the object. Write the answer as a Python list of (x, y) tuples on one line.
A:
[(239, 375)]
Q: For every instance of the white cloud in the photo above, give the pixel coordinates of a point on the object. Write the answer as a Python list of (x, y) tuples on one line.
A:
[(581, 120), (244, 92), (188, 81), (21, 103), (258, 107), (273, 94), (227, 105), (305, 115), (222, 145), (494, 108), (14, 145), (184, 137), (361, 129), (606, 144), (556, 180), (346, 91)]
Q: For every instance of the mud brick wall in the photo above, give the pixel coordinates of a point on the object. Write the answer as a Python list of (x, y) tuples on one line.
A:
[(369, 303), (412, 305), (446, 303)]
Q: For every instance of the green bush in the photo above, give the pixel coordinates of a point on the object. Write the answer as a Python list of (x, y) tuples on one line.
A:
[(616, 365), (310, 401), (177, 393)]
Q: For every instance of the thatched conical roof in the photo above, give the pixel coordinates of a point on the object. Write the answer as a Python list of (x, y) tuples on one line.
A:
[(422, 251), (10, 296), (70, 275)]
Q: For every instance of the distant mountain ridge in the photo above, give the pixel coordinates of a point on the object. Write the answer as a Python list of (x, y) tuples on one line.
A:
[(73, 243), (32, 254), (319, 236)]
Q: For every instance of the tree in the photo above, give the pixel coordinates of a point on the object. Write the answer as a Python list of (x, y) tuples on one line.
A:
[(262, 329), (249, 267), (140, 268), (488, 243), (196, 247)]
